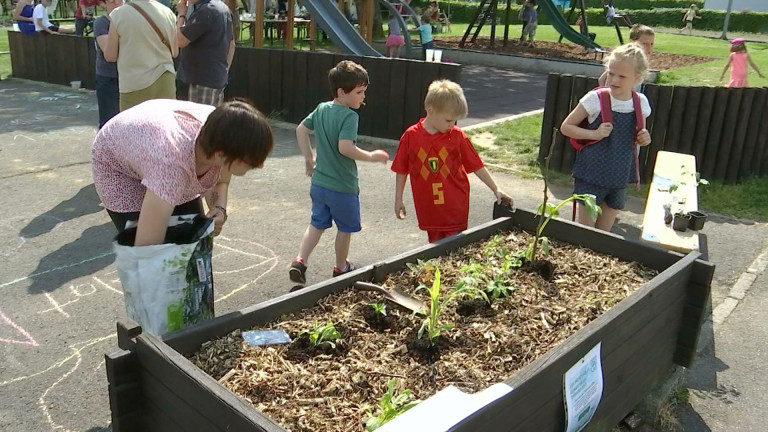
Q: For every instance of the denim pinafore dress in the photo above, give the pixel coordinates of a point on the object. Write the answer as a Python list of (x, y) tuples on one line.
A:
[(610, 162)]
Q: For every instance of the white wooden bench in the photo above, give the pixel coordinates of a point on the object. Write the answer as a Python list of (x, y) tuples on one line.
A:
[(674, 182)]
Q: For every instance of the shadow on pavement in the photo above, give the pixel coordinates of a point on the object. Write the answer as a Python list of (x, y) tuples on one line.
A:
[(91, 252), (84, 202)]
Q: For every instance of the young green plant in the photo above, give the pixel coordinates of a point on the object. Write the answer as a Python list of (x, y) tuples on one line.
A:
[(547, 211), (379, 308), (431, 323), (391, 405), (323, 335)]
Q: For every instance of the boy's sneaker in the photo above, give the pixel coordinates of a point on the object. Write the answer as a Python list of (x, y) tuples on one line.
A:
[(297, 272), (347, 268)]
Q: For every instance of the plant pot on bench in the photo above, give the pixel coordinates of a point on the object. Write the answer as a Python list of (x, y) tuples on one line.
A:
[(153, 386)]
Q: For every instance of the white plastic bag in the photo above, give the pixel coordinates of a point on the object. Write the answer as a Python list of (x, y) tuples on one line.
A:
[(169, 286)]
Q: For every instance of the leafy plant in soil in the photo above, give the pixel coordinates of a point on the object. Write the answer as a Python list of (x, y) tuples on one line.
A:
[(376, 316), (431, 323), (320, 339), (546, 212), (391, 405), (323, 334)]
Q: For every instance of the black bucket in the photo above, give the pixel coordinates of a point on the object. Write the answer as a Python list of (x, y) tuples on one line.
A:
[(680, 222), (696, 221)]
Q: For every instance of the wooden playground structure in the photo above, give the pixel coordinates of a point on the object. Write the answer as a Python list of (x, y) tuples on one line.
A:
[(364, 13)]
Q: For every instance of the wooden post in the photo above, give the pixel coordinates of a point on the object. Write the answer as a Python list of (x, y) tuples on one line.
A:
[(289, 26), (257, 28), (312, 34)]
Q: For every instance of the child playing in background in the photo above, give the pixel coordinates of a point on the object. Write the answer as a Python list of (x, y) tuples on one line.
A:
[(643, 36), (529, 18), (334, 190), (688, 18), (738, 63), (438, 156), (395, 39), (425, 34), (604, 168)]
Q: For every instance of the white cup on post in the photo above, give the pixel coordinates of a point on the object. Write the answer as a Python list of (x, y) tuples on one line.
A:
[(430, 55), (438, 56)]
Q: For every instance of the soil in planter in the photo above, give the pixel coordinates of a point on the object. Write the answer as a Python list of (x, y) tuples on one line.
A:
[(301, 349), (331, 392), (378, 321), (543, 268), (422, 350), (479, 307)]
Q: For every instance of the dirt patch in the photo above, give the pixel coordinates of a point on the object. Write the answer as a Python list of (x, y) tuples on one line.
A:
[(659, 60), (334, 390)]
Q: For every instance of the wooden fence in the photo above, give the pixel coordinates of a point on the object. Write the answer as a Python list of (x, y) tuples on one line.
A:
[(292, 83), (726, 129), (56, 59), (288, 84)]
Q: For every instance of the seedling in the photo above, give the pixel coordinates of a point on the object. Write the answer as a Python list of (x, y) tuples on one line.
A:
[(323, 335), (391, 405), (547, 211), (379, 308), (431, 323)]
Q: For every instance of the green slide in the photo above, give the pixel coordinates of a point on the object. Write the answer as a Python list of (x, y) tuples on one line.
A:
[(562, 26)]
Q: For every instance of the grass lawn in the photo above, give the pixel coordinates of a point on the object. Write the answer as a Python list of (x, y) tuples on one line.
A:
[(5, 59), (705, 74)]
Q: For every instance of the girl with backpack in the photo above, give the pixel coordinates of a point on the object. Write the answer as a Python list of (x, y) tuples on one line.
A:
[(606, 127)]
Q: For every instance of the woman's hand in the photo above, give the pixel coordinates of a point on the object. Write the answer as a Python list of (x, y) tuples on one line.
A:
[(219, 215)]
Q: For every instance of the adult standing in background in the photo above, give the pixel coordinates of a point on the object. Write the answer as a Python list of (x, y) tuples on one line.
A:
[(83, 14), (107, 92), (22, 14), (207, 48), (142, 39)]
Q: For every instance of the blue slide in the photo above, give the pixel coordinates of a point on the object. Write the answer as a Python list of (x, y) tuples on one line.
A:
[(339, 29), (562, 26)]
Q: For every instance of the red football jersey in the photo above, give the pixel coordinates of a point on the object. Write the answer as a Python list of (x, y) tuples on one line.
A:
[(438, 165)]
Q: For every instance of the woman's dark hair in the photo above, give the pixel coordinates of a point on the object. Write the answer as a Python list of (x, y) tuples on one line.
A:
[(239, 131)]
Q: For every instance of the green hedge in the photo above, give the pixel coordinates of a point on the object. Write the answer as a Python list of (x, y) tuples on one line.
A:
[(753, 22), (633, 5)]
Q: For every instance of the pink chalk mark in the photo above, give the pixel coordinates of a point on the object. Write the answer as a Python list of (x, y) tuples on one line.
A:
[(30, 340)]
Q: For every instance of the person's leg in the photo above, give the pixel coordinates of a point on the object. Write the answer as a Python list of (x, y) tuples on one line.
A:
[(108, 98), (309, 241), (319, 222), (341, 247), (607, 218), (614, 201), (582, 187), (80, 26)]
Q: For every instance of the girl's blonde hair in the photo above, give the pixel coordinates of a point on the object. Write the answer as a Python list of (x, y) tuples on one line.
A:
[(445, 96), (633, 53), (640, 30)]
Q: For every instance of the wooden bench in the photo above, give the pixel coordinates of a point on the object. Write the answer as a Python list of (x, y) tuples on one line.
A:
[(671, 169)]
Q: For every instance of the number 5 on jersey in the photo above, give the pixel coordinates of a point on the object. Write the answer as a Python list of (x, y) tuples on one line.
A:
[(437, 192)]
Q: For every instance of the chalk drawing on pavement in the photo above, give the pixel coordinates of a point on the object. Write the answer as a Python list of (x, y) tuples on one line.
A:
[(27, 340)]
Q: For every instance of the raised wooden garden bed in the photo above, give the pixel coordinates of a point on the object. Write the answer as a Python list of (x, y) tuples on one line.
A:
[(153, 386)]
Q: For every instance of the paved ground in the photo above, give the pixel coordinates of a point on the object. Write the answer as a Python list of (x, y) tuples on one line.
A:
[(60, 292), (494, 93)]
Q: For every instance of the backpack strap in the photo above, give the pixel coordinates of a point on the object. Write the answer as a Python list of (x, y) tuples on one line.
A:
[(606, 114), (639, 125)]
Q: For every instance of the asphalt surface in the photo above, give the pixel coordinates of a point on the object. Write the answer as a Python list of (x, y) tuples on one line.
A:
[(60, 293)]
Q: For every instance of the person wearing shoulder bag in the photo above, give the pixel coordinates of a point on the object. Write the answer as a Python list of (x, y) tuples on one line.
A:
[(142, 40)]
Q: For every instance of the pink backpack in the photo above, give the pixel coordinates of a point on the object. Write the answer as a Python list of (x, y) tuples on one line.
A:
[(604, 94)]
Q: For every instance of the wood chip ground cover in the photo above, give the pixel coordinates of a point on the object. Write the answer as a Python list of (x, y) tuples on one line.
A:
[(334, 391)]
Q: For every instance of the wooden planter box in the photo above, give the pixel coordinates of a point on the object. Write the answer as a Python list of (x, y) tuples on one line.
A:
[(153, 387)]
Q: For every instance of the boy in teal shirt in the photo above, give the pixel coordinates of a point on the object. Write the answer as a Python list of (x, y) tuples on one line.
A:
[(334, 190), (425, 34)]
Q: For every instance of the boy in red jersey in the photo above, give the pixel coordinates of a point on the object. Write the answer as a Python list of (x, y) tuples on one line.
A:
[(438, 155)]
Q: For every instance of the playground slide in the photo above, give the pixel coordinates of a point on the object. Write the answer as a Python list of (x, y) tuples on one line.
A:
[(562, 26), (342, 32)]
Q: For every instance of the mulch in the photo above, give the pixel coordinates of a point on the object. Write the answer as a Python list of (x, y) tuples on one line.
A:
[(659, 60)]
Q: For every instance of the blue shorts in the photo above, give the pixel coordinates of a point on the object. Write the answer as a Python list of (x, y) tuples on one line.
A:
[(613, 198), (341, 208)]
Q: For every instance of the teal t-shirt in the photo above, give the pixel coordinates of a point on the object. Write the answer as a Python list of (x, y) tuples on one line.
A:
[(331, 123), (425, 32)]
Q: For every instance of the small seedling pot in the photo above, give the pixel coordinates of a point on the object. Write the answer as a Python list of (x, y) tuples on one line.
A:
[(680, 222), (696, 220)]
